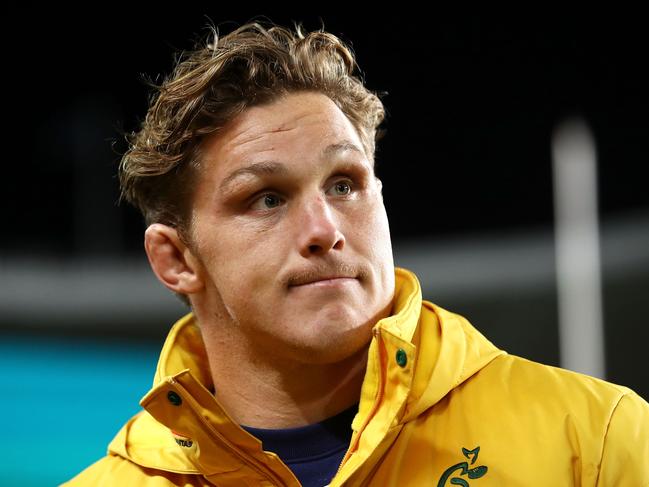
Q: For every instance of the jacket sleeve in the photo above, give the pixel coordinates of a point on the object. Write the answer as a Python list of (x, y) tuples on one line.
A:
[(625, 454)]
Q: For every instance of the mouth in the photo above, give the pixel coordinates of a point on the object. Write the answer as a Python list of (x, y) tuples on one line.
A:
[(327, 282)]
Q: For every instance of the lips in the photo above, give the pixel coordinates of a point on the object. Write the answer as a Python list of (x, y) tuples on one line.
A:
[(322, 280)]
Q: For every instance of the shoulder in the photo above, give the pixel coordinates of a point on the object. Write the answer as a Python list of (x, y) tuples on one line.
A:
[(115, 470), (598, 420), (525, 384), (536, 377), (536, 415), (552, 405)]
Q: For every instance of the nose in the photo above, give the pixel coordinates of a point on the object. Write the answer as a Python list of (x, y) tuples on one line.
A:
[(318, 229)]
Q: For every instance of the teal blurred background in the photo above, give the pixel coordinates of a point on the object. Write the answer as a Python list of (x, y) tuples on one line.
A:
[(63, 400)]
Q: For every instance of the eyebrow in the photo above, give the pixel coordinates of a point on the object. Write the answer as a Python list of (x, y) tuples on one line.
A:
[(341, 147), (273, 167)]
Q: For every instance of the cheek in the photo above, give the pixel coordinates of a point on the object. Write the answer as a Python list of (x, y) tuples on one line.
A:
[(238, 263), (373, 237), (372, 231)]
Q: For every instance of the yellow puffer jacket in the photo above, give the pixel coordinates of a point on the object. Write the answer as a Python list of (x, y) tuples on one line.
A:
[(440, 406)]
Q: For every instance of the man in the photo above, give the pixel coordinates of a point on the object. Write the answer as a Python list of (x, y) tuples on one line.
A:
[(308, 359)]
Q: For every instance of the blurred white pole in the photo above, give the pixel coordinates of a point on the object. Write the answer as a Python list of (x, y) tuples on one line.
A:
[(581, 331)]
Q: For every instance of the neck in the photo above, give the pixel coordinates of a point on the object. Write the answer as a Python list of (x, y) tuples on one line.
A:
[(272, 393)]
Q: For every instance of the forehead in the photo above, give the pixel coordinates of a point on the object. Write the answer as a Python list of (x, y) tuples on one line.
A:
[(295, 125)]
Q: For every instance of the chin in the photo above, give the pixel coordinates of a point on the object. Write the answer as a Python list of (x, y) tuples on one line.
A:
[(319, 356), (332, 346)]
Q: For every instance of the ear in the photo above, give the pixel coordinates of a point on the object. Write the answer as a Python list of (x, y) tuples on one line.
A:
[(171, 260)]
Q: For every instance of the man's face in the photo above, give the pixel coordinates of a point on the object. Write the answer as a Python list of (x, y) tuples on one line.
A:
[(290, 228)]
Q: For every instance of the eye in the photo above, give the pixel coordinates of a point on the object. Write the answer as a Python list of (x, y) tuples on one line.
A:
[(342, 188), (271, 200), (267, 201)]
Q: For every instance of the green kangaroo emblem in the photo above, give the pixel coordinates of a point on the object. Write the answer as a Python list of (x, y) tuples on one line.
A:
[(463, 469)]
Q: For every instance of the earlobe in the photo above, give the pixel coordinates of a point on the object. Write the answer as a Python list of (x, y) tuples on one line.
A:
[(171, 260)]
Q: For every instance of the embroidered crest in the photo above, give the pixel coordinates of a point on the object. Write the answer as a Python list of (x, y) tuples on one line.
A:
[(462, 469)]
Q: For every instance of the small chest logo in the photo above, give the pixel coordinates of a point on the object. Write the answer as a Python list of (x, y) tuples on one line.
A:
[(184, 443), (182, 440), (453, 475)]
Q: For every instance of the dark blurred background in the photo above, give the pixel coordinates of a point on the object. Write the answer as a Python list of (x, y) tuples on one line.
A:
[(466, 163)]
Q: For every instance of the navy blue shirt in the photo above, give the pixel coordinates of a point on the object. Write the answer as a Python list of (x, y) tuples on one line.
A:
[(312, 452)]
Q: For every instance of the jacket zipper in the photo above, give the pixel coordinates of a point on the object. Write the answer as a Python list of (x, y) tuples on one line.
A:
[(375, 406)]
